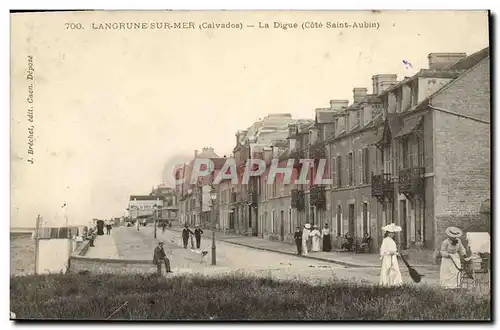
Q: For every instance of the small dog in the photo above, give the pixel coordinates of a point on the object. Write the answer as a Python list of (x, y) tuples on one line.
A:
[(204, 253)]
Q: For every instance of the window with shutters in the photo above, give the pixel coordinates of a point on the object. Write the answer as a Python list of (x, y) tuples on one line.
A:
[(334, 171), (366, 165), (420, 151), (339, 171), (394, 158), (339, 221), (387, 160), (405, 154), (350, 168)]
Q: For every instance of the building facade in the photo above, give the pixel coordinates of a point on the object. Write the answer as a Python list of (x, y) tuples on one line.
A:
[(415, 152)]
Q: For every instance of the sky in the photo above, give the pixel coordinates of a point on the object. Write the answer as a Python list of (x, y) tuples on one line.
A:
[(114, 110)]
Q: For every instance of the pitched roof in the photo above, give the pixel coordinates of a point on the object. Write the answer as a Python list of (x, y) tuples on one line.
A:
[(409, 124), (471, 60)]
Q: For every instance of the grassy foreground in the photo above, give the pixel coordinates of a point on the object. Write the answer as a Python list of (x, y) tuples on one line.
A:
[(232, 297)]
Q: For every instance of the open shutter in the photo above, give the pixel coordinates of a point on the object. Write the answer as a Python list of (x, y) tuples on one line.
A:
[(360, 166), (334, 171)]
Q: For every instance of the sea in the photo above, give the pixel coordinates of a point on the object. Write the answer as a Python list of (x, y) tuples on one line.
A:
[(22, 254)]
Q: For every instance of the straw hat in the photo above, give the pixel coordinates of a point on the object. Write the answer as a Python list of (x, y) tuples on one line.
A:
[(307, 226), (315, 226), (392, 228), (197, 225), (454, 232)]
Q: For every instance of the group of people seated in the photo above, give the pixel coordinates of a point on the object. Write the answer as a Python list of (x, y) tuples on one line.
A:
[(349, 244)]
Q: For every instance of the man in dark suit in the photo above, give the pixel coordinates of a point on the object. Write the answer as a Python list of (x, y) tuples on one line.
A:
[(159, 255), (185, 235), (197, 234), (297, 236)]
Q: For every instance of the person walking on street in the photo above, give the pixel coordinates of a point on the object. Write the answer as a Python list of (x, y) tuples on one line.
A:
[(159, 255), (163, 226), (327, 243), (137, 224), (107, 224), (91, 235), (305, 238), (297, 236), (390, 274), (315, 239), (197, 234), (185, 235)]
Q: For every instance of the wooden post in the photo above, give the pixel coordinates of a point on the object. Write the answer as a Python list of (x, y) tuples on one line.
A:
[(37, 227)]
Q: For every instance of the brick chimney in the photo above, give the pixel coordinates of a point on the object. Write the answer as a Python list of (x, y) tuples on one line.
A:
[(440, 61), (195, 153), (338, 104), (359, 93), (378, 79)]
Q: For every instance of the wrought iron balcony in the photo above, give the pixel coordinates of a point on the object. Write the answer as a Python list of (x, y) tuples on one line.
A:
[(318, 196), (411, 181), (298, 200), (317, 151), (382, 185)]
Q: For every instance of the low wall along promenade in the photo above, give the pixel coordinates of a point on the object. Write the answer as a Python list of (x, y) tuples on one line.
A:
[(79, 262)]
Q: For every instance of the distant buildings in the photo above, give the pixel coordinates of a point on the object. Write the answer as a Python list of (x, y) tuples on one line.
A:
[(142, 206), (415, 152)]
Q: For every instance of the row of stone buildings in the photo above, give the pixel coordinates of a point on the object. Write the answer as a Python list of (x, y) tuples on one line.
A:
[(415, 152)]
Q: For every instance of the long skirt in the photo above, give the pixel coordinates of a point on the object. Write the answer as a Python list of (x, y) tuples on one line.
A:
[(449, 274), (315, 244), (327, 244), (389, 273), (304, 247)]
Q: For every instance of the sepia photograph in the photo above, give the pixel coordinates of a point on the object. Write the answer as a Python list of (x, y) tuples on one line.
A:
[(229, 165)]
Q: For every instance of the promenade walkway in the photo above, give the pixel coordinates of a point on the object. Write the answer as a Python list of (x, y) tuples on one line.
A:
[(105, 248)]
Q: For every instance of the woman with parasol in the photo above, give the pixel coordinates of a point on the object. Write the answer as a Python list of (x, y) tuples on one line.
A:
[(390, 274)]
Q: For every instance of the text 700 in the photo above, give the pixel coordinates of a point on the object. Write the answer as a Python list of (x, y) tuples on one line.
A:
[(74, 26)]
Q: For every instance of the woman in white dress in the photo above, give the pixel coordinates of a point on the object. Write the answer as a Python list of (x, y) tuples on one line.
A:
[(451, 250), (305, 237), (315, 236), (389, 273)]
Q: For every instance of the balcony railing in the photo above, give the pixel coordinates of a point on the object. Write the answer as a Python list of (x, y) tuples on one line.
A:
[(382, 185), (411, 180)]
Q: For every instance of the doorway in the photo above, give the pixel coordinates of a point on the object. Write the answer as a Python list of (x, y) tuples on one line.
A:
[(403, 219)]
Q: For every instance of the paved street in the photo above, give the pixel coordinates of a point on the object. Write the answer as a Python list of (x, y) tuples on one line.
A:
[(131, 244)]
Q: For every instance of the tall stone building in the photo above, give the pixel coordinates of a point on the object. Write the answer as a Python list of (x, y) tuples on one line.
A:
[(189, 194), (263, 135)]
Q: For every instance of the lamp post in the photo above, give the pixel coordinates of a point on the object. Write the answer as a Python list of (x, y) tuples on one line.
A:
[(155, 207), (213, 197)]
